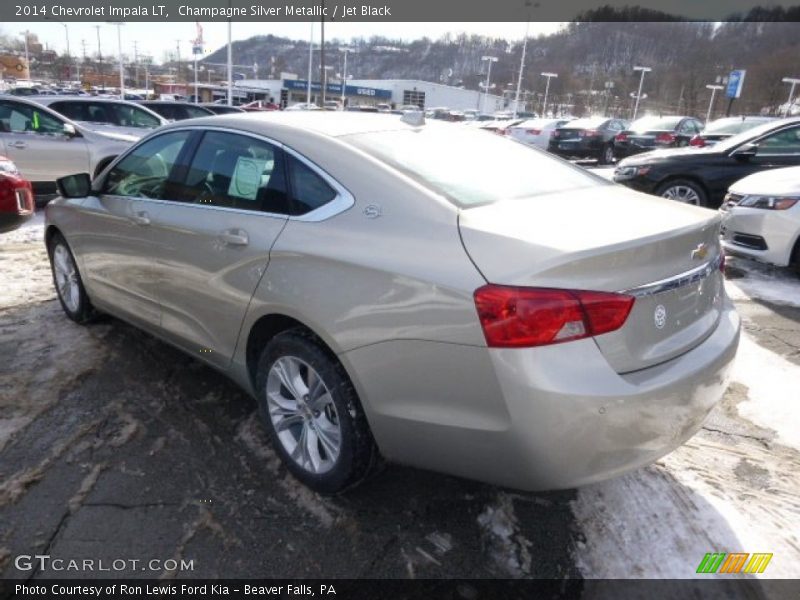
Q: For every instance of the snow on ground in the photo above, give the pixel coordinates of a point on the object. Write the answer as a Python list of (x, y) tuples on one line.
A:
[(773, 402), (763, 282)]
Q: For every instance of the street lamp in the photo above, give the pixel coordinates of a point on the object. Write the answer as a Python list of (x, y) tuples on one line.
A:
[(69, 59), (490, 60), (344, 51), (119, 25), (641, 83), (27, 59), (547, 91), (794, 82), (713, 89), (522, 60)]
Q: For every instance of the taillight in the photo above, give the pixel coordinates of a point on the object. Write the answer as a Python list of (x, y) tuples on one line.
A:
[(621, 137), (556, 133), (665, 138), (697, 141), (519, 317), (588, 133), (534, 131)]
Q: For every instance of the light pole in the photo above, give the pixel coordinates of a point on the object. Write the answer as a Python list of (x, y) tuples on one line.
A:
[(230, 65), (490, 60), (27, 58), (310, 63), (69, 59), (641, 83), (547, 91), (344, 51), (713, 89), (794, 82), (119, 25), (522, 61)]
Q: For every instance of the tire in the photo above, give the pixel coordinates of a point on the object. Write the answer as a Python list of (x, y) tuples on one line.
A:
[(683, 190), (606, 156), (68, 283), (304, 420)]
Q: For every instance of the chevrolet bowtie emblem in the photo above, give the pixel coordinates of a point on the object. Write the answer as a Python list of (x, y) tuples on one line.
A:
[(700, 252)]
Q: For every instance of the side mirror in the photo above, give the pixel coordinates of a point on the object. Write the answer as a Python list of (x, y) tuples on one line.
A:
[(75, 186), (746, 151), (70, 131)]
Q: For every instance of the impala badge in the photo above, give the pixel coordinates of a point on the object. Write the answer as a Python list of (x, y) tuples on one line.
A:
[(660, 316), (700, 252)]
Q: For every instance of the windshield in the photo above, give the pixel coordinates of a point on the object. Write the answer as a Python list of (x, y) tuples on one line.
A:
[(471, 168), (745, 136), (733, 125), (123, 115), (197, 111), (655, 123)]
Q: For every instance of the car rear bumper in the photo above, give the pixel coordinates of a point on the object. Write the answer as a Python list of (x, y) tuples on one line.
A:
[(538, 418), (765, 235)]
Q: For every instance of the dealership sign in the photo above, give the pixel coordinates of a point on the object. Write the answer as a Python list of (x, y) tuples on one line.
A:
[(735, 83), (336, 88)]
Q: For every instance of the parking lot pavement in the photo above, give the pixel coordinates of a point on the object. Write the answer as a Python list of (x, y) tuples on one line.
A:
[(114, 445)]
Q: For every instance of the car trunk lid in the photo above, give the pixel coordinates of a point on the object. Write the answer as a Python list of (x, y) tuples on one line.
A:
[(614, 240)]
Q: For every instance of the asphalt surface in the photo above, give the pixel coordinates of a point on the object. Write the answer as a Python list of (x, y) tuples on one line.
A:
[(114, 445)]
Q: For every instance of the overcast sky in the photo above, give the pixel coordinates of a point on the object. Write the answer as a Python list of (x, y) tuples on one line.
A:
[(155, 39)]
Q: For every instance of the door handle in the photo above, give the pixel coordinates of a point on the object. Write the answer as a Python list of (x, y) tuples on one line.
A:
[(140, 218), (18, 144), (234, 237)]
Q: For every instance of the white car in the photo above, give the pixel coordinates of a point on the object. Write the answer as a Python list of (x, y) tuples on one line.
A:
[(762, 217), (536, 132)]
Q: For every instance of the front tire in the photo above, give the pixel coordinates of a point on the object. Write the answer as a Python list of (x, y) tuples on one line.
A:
[(312, 413), (683, 190), (68, 283)]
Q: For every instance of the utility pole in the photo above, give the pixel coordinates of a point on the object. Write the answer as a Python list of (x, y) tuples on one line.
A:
[(547, 91), (177, 60), (230, 65), (639, 94), (27, 57), (713, 89), (322, 51), (522, 64), (100, 60), (136, 61), (490, 60)]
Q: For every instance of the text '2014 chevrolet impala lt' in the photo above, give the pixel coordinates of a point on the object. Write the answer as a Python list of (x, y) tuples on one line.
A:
[(420, 292)]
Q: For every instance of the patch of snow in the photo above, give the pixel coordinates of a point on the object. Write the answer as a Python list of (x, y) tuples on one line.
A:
[(509, 549), (771, 402), (32, 231), (764, 282)]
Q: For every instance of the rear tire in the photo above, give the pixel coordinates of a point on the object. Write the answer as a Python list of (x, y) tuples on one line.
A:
[(606, 156), (312, 413), (68, 283), (683, 190)]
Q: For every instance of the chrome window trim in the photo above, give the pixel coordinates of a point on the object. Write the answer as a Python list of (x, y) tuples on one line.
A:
[(677, 281), (340, 203)]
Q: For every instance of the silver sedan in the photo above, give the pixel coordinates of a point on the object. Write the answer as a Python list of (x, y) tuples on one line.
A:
[(418, 292)]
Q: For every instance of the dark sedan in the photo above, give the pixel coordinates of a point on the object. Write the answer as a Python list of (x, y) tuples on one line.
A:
[(701, 176), (587, 138), (726, 127), (177, 111), (222, 109), (649, 133)]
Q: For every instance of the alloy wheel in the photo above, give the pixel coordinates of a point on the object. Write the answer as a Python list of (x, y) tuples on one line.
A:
[(66, 276), (682, 193), (303, 414)]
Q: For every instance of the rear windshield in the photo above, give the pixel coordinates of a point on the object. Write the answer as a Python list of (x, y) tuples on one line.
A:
[(733, 125), (471, 168), (655, 123), (585, 123)]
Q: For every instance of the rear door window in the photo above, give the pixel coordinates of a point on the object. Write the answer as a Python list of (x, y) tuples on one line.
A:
[(309, 190), (237, 171)]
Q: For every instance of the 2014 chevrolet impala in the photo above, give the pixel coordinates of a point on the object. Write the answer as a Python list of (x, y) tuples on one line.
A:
[(421, 292)]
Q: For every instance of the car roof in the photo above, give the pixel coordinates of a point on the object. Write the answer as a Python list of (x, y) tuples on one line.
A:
[(326, 123), (47, 100)]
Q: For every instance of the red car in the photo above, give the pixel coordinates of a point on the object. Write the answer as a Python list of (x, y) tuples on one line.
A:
[(16, 197)]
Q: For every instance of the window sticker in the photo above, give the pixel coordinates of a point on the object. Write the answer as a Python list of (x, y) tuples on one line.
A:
[(247, 177)]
